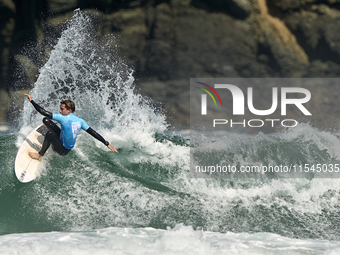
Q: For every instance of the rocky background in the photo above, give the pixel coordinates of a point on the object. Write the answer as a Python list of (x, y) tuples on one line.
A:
[(168, 42)]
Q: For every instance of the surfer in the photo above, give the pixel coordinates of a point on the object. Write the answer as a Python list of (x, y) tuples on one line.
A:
[(64, 139)]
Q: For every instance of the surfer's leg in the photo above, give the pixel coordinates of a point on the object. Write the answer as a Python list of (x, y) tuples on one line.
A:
[(51, 126), (47, 142), (51, 137), (57, 146)]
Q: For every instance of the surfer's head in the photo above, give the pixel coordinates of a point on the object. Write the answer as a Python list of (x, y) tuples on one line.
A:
[(68, 105)]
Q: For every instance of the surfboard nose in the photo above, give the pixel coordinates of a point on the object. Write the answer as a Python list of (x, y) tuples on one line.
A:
[(3, 127)]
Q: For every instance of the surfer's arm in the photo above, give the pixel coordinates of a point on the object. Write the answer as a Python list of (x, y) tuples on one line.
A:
[(100, 138), (39, 108)]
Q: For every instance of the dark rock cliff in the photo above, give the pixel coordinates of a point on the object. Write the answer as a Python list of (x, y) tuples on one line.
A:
[(169, 41)]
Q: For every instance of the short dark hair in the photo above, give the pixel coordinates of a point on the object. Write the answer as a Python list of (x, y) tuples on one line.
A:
[(69, 105)]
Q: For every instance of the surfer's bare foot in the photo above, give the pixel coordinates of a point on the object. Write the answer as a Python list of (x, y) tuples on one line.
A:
[(34, 155)]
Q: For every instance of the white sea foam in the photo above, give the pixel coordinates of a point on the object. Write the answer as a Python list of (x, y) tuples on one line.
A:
[(179, 240)]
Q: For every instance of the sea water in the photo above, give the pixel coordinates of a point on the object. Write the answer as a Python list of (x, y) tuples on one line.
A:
[(143, 200)]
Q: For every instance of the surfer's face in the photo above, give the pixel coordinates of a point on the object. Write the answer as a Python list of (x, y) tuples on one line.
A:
[(64, 111)]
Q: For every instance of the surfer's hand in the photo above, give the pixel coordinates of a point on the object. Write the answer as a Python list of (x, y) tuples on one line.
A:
[(29, 97), (112, 148)]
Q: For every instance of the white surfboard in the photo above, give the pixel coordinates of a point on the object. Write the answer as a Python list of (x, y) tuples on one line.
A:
[(26, 168)]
